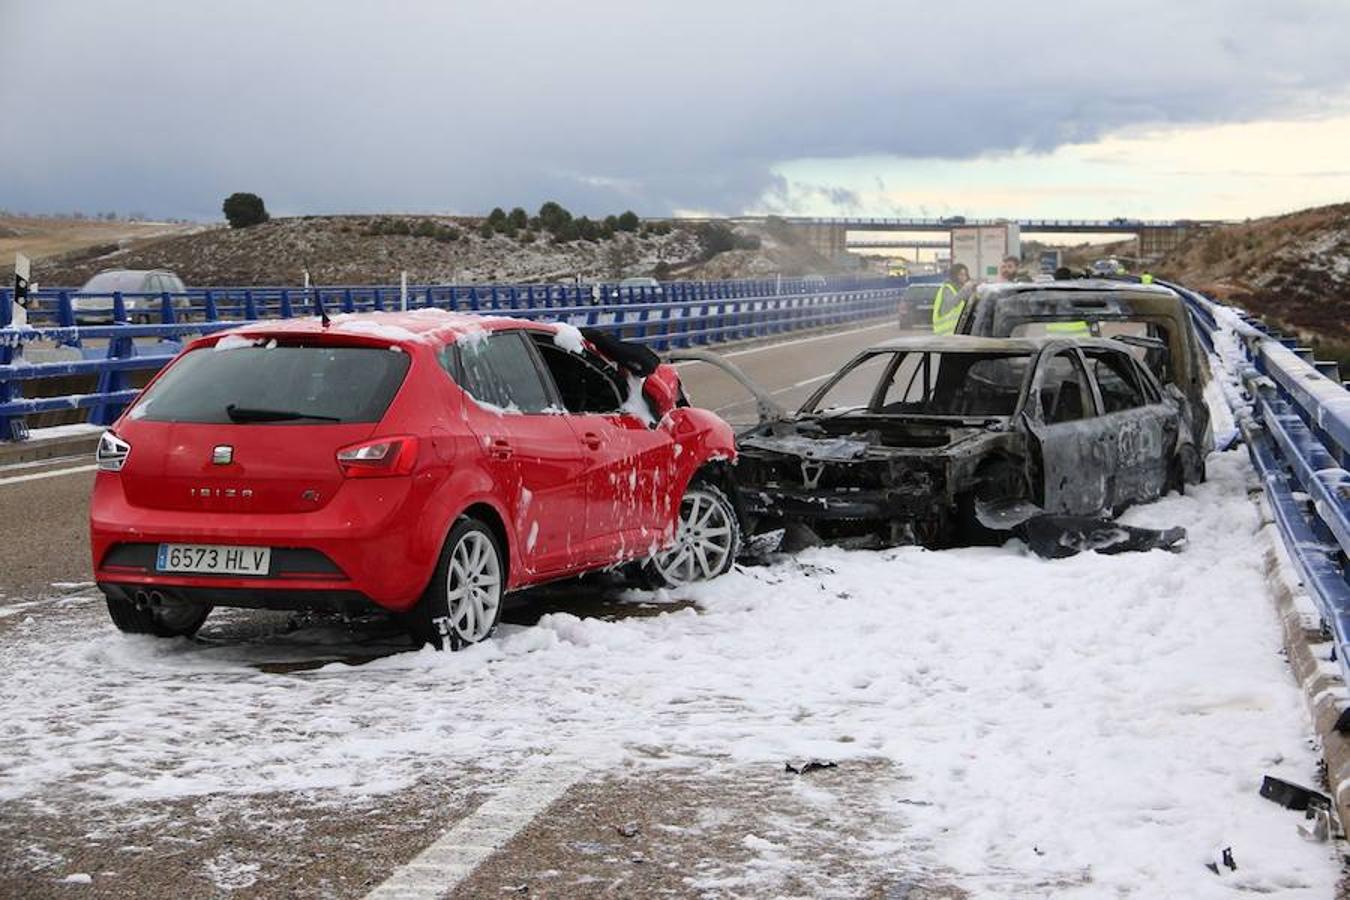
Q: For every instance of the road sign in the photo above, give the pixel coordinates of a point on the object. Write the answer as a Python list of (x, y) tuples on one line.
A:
[(22, 272)]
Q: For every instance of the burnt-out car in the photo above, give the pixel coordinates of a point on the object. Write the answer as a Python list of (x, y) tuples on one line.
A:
[(1151, 318), (939, 440)]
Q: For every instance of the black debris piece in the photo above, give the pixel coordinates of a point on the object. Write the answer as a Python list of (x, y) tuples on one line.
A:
[(1057, 537), (802, 766), (636, 358), (1225, 859), (1292, 796)]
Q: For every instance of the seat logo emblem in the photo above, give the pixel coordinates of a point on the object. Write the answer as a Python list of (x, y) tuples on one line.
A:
[(222, 455)]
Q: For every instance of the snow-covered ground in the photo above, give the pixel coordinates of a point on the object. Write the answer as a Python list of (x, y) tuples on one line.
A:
[(1099, 724)]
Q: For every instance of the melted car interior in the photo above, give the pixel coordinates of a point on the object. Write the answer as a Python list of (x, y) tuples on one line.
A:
[(924, 383)]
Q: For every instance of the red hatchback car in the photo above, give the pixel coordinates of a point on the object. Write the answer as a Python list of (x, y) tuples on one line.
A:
[(423, 463)]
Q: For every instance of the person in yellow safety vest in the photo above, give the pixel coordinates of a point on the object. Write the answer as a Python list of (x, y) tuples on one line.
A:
[(947, 305), (1067, 329), (1146, 278)]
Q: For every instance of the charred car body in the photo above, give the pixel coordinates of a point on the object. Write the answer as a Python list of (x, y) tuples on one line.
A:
[(1151, 318), (944, 440)]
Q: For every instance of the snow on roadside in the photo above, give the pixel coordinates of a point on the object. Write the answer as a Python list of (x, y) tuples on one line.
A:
[(1100, 724)]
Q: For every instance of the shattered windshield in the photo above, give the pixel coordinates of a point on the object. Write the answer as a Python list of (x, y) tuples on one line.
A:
[(925, 383)]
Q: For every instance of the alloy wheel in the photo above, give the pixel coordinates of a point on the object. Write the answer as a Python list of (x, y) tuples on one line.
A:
[(473, 587), (704, 540)]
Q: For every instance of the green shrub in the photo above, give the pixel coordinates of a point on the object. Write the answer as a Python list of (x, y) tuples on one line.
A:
[(526, 237), (566, 231), (425, 229), (244, 210), (399, 226), (447, 234), (497, 218), (519, 218), (486, 230), (552, 217), (629, 221), (719, 237), (588, 229)]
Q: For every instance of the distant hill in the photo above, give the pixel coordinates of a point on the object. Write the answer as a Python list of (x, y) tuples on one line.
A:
[(375, 249), (43, 237), (1293, 270)]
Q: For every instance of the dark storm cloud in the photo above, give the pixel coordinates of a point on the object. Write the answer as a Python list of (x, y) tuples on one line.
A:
[(336, 106)]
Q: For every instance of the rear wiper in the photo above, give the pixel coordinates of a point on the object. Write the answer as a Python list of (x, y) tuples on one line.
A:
[(250, 414)]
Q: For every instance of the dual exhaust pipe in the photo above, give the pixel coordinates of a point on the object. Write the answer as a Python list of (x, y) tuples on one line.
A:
[(147, 599)]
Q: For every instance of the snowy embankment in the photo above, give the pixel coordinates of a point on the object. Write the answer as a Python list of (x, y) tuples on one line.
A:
[(1099, 724)]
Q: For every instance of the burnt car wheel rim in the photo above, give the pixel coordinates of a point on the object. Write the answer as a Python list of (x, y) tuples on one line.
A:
[(473, 587), (703, 540)]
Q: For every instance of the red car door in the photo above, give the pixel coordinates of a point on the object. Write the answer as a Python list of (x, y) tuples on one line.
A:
[(629, 503), (533, 453), (630, 500)]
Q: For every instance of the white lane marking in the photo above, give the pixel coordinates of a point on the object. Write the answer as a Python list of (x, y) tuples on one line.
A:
[(792, 343), (790, 387), (807, 340), (36, 475), (38, 463), (438, 869)]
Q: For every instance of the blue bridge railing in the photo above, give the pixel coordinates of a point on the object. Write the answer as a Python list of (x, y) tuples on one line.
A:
[(1295, 421), (142, 332)]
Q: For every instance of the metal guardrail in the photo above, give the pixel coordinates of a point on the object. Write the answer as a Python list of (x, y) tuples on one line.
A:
[(1296, 423), (678, 314)]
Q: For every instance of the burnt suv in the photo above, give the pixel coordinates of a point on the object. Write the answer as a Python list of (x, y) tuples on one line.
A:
[(1151, 319)]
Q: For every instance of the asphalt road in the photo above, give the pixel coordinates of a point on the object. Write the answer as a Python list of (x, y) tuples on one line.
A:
[(627, 833)]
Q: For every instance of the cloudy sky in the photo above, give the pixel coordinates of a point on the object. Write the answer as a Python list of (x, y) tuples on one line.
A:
[(1152, 108)]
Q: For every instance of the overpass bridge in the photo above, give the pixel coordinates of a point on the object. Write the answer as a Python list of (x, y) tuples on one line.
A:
[(828, 235), (895, 244)]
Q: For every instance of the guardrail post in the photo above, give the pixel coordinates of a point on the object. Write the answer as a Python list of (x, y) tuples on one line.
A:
[(65, 312), (286, 311), (166, 309), (641, 330), (110, 380), (212, 314), (119, 307), (250, 308), (12, 428)]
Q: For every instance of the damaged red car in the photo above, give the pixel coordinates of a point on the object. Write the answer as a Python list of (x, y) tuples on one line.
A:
[(422, 463)]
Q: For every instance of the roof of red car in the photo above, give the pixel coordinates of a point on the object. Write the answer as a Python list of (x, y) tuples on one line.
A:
[(413, 326)]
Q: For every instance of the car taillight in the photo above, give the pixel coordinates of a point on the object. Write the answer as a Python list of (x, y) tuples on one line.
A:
[(112, 452), (379, 458)]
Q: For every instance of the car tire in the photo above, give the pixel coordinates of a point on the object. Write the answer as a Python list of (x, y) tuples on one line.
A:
[(463, 602), (156, 614), (707, 540)]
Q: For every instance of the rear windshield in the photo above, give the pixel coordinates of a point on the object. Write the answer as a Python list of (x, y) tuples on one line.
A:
[(276, 385)]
